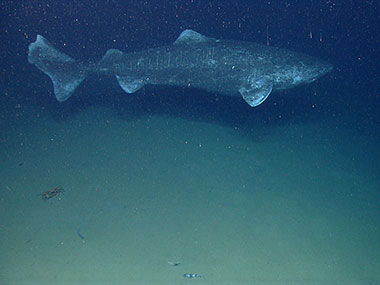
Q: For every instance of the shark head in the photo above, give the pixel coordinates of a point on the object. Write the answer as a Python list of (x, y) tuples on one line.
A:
[(299, 71), (314, 70)]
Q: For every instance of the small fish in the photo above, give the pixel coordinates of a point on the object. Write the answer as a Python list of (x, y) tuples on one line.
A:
[(191, 275), (80, 235), (174, 263)]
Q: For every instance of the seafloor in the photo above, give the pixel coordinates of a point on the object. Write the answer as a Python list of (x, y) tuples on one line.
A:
[(290, 201)]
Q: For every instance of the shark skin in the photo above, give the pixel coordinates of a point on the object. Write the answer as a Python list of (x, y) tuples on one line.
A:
[(228, 67)]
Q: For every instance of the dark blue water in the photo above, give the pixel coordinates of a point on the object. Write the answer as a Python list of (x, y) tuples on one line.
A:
[(284, 192), (344, 34)]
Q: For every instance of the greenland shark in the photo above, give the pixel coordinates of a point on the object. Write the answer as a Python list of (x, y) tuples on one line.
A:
[(234, 68)]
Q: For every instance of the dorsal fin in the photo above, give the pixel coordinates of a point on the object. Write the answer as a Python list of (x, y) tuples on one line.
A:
[(190, 37)]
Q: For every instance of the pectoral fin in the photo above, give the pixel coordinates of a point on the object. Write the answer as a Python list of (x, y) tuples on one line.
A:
[(255, 96), (129, 84)]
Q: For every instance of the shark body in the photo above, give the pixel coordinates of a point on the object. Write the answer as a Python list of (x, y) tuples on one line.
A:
[(222, 66)]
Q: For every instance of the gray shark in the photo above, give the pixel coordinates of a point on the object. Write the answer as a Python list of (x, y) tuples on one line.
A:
[(222, 66)]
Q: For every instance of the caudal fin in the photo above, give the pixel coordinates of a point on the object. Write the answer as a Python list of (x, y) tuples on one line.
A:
[(65, 73)]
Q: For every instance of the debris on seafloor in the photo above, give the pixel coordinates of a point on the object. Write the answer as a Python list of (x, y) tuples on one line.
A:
[(192, 275), (52, 193)]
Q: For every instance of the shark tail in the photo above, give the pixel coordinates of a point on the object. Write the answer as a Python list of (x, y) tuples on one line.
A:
[(65, 73)]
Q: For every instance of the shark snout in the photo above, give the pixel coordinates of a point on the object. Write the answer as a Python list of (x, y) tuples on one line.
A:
[(328, 67), (320, 69), (325, 67)]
